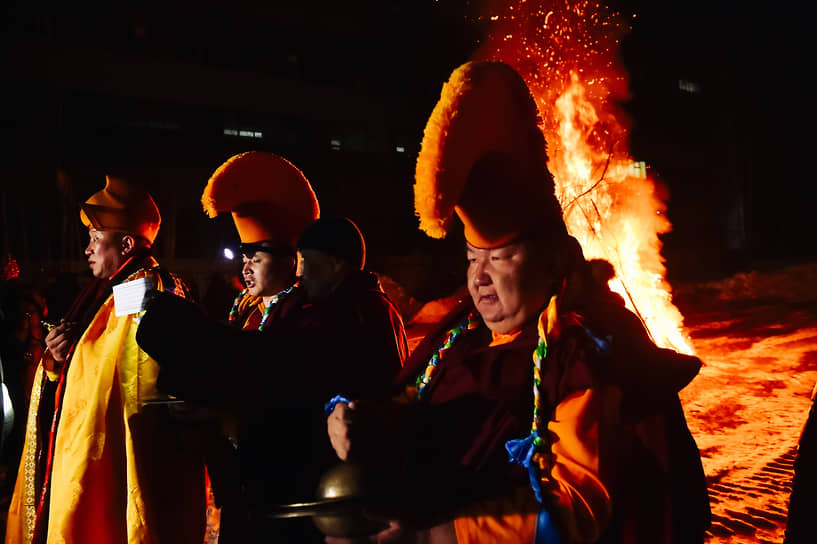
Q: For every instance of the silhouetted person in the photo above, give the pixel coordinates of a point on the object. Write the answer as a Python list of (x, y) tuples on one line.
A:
[(803, 500)]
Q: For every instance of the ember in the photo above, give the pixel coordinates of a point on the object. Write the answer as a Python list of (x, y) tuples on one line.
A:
[(567, 53)]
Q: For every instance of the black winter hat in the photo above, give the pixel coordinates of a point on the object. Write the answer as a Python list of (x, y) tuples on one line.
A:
[(335, 236)]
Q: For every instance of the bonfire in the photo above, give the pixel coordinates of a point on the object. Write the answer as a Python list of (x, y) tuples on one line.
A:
[(568, 54)]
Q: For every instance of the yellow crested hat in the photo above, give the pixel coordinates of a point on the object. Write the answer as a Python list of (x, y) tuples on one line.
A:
[(484, 157), (122, 207), (270, 199)]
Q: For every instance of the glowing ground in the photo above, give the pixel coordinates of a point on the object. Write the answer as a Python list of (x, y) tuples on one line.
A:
[(757, 335)]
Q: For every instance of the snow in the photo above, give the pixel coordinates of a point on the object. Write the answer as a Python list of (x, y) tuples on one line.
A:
[(757, 335)]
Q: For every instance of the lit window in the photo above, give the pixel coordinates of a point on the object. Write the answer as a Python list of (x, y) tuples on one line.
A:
[(689, 86), (243, 133), (400, 149), (334, 144)]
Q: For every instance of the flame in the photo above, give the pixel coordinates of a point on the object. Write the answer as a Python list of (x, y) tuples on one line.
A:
[(567, 53)]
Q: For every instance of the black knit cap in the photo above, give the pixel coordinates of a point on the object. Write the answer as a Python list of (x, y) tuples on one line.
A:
[(335, 236)]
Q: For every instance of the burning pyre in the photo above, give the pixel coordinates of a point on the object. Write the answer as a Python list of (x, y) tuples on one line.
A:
[(568, 54)]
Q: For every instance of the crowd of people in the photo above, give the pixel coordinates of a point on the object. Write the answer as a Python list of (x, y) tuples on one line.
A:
[(538, 410)]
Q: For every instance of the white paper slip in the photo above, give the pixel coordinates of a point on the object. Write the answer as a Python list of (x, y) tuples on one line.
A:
[(129, 298)]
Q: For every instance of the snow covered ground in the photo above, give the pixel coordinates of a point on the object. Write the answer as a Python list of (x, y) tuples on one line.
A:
[(757, 336)]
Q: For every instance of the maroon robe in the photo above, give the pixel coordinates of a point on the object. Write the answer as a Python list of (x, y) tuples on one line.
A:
[(481, 397), (279, 378)]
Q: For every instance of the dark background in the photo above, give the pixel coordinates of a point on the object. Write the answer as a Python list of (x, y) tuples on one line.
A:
[(736, 156), (343, 90)]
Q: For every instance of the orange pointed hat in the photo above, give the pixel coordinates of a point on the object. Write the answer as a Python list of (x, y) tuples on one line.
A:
[(484, 157), (270, 199), (122, 207)]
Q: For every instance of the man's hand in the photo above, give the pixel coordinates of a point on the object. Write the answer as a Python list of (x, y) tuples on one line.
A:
[(393, 534), (339, 425), (359, 431), (397, 533), (367, 431), (60, 339)]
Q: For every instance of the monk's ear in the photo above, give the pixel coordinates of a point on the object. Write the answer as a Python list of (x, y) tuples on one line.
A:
[(127, 244)]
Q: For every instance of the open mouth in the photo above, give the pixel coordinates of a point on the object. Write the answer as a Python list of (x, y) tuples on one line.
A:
[(488, 299)]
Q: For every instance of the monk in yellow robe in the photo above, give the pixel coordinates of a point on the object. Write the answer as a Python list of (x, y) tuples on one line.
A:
[(103, 462)]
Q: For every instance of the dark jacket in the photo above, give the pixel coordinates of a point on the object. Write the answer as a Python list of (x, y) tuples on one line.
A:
[(351, 342)]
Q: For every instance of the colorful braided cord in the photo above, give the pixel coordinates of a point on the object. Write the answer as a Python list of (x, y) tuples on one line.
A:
[(539, 355), (278, 297), (234, 309), (471, 322)]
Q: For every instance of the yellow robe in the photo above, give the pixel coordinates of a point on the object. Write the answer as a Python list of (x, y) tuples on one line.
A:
[(123, 471)]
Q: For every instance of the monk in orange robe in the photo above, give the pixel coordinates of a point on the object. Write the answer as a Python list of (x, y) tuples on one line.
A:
[(537, 411), (101, 463)]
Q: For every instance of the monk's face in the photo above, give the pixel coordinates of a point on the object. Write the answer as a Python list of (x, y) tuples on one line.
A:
[(266, 274), (320, 273), (107, 251), (507, 284)]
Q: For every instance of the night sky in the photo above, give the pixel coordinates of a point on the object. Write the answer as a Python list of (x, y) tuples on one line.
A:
[(146, 91)]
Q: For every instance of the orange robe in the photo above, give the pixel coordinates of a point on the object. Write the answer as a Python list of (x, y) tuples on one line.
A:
[(250, 312), (575, 491), (123, 471)]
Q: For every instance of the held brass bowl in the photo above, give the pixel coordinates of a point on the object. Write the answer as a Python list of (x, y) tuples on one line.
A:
[(345, 480)]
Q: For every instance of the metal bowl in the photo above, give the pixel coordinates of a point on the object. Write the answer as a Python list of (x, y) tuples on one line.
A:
[(346, 481)]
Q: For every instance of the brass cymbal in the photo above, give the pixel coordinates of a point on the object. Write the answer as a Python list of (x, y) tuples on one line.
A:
[(346, 482), (323, 507)]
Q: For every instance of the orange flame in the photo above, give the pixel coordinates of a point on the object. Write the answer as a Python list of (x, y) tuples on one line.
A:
[(567, 53)]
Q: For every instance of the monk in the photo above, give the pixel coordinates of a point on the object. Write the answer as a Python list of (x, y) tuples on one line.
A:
[(537, 411), (101, 463)]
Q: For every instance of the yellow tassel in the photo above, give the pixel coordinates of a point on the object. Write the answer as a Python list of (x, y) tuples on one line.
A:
[(433, 204), (209, 197)]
